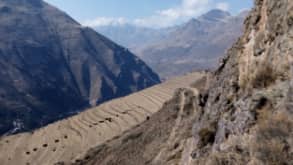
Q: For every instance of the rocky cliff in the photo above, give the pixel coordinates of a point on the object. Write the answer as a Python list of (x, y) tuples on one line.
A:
[(247, 118), (51, 66), (242, 114)]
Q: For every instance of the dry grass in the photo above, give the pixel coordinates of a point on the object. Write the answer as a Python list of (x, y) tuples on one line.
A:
[(271, 144), (264, 77), (226, 159), (207, 135)]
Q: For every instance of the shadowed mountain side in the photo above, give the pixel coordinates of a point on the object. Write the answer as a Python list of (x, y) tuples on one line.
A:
[(52, 67)]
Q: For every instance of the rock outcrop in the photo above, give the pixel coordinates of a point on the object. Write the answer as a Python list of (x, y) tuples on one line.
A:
[(243, 115), (247, 117), (51, 66)]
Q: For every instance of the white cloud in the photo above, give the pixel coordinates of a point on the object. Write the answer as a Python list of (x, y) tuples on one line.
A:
[(244, 10), (155, 21), (194, 4), (223, 6), (105, 21), (188, 8), (167, 17)]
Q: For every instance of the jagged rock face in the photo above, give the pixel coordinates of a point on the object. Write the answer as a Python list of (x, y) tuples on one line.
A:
[(247, 118), (50, 66)]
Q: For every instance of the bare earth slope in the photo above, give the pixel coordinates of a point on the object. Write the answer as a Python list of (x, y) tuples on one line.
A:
[(51, 66), (243, 116), (69, 139)]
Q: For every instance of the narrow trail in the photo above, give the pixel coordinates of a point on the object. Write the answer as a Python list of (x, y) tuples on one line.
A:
[(175, 135), (177, 122)]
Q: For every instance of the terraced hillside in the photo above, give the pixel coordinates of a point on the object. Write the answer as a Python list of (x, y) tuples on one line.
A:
[(69, 139)]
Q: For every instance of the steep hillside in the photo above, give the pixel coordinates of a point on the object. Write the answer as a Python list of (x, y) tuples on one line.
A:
[(247, 118), (50, 66), (69, 139), (242, 115)]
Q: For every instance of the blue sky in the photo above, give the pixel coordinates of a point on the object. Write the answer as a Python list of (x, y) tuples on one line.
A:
[(148, 13)]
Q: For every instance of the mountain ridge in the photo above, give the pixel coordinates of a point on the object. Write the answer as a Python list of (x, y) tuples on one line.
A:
[(196, 45), (215, 15)]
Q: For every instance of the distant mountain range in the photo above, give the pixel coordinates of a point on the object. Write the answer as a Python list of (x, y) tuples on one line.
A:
[(51, 67), (132, 36), (195, 45)]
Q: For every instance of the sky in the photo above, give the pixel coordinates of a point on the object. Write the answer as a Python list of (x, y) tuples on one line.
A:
[(145, 13)]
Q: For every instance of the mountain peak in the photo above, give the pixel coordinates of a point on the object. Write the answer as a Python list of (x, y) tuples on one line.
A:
[(215, 15), (244, 13)]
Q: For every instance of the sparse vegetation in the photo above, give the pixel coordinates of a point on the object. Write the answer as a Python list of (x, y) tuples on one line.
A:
[(271, 145), (264, 77), (207, 136), (230, 158)]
